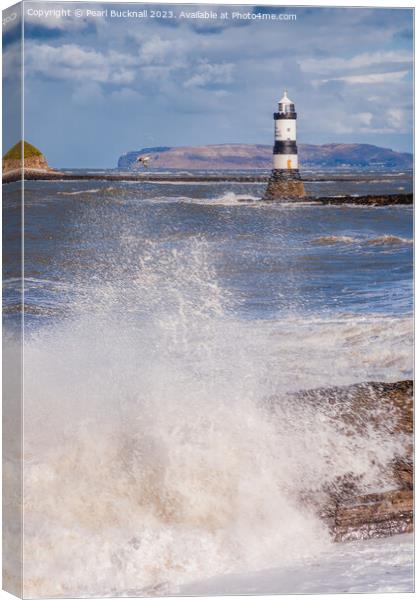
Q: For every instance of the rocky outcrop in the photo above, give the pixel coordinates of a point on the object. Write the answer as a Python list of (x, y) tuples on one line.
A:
[(372, 515), (24, 156), (372, 200), (34, 162), (280, 187), (285, 191), (387, 407)]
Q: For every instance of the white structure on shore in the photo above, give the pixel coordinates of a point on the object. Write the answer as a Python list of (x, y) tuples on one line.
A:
[(285, 180), (285, 156)]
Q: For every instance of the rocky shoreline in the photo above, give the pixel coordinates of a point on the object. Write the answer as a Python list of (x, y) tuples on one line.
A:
[(370, 200), (52, 174), (352, 513), (366, 200)]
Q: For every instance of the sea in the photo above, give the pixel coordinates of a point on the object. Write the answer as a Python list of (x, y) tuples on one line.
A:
[(159, 319)]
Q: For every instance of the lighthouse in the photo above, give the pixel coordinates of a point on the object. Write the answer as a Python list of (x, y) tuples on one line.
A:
[(285, 181)]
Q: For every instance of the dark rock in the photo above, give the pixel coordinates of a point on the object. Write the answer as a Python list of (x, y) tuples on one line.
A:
[(373, 515), (387, 407), (284, 186), (378, 200)]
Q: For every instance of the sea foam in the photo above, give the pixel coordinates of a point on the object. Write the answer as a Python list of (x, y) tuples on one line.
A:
[(152, 456)]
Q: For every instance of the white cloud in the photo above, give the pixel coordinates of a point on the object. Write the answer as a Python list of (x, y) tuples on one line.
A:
[(396, 118), (354, 122), (12, 62), (333, 63), (157, 51), (208, 74), (73, 62), (364, 118), (370, 78)]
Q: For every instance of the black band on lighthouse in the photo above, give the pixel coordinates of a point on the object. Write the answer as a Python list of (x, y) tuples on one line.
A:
[(289, 115), (286, 147)]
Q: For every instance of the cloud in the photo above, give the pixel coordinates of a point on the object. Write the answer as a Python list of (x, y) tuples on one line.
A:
[(156, 50), (48, 16), (12, 62), (396, 117), (71, 62), (344, 68), (367, 59), (207, 74), (361, 121), (11, 26), (371, 78)]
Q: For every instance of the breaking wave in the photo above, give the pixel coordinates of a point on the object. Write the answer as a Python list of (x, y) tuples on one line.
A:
[(93, 191), (233, 198), (334, 239), (225, 199), (153, 457), (346, 239), (389, 239)]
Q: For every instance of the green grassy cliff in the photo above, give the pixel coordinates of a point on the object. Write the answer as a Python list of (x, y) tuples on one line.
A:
[(15, 153), (32, 158)]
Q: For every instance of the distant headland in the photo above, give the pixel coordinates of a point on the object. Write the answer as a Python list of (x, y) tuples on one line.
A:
[(35, 167), (259, 156)]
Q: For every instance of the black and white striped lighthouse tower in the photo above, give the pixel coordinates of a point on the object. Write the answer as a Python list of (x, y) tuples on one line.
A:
[(285, 181)]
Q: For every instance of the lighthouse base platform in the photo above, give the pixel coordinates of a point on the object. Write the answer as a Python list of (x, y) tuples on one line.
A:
[(284, 184)]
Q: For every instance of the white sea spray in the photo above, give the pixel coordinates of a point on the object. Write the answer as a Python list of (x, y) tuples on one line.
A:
[(152, 456)]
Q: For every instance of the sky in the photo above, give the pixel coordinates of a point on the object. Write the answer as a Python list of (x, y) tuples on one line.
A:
[(96, 86)]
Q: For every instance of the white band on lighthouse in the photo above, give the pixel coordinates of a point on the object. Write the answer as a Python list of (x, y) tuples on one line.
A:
[(285, 129), (285, 161)]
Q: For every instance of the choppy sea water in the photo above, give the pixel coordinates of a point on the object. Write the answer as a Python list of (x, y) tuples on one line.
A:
[(159, 318)]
